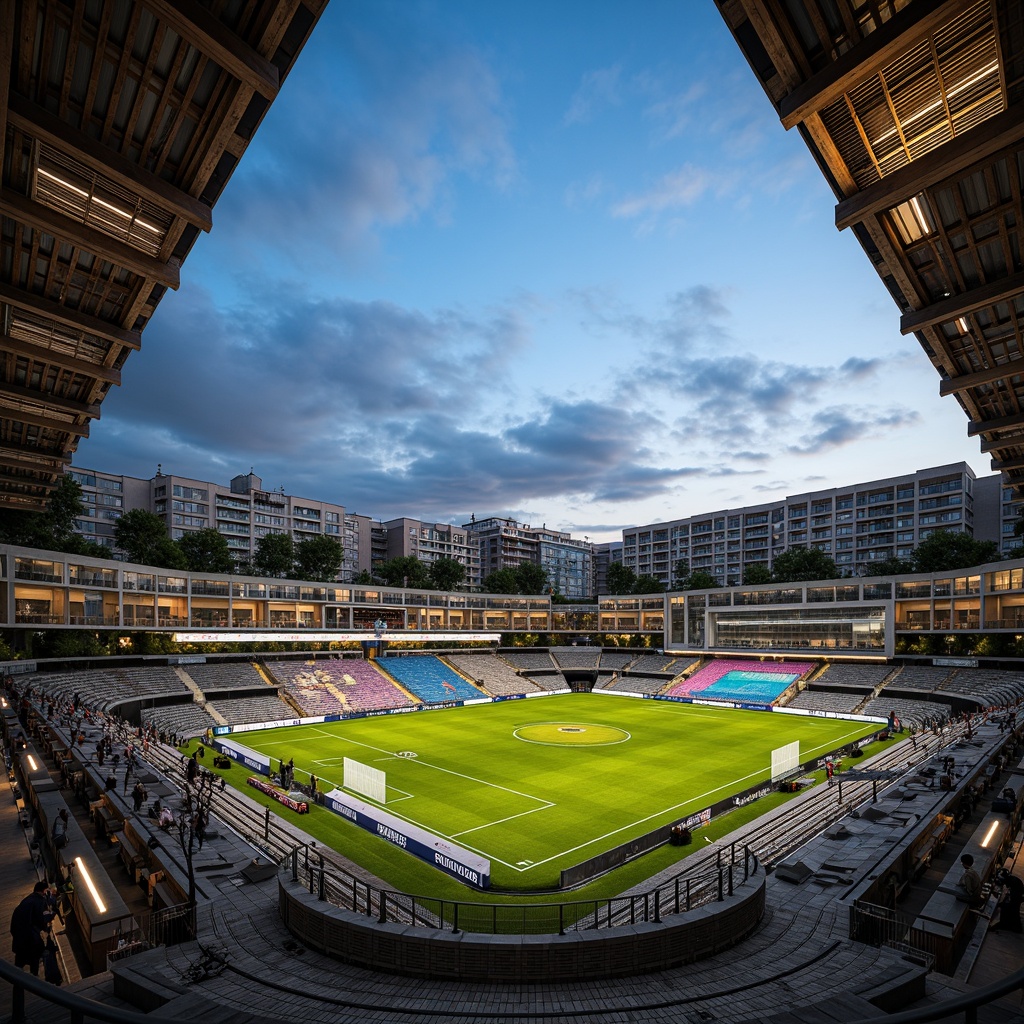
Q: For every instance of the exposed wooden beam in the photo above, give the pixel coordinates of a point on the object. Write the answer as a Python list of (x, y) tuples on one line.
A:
[(963, 302), (27, 481), (34, 456), (980, 143), (1005, 464), (987, 376), (213, 38), (21, 502), (65, 405), (975, 427), (89, 239), (1003, 441), (41, 124), (70, 317), (891, 39), (6, 56), (55, 358), (72, 427)]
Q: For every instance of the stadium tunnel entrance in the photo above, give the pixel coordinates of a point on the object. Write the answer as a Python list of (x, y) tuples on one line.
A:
[(580, 681)]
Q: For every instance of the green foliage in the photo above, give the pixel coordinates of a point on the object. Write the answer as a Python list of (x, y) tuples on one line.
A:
[(945, 550), (621, 579), (363, 578), (680, 570), (318, 559), (890, 567), (648, 585), (274, 556), (447, 573), (142, 538), (755, 575), (527, 578), (404, 571), (699, 579), (206, 551), (798, 564), (52, 530)]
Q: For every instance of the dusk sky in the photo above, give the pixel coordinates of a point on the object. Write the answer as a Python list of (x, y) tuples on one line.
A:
[(555, 261)]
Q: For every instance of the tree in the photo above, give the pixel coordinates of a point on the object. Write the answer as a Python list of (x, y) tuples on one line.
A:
[(890, 567), (755, 575), (52, 529), (502, 581), (404, 571), (531, 578), (797, 564), (318, 559), (680, 570), (143, 539), (447, 573), (206, 551), (699, 579), (648, 585), (363, 578), (274, 556), (621, 579), (944, 550)]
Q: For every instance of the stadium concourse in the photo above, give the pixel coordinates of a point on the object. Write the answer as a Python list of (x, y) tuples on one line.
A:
[(818, 953)]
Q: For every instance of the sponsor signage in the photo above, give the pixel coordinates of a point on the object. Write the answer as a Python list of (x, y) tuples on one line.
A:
[(252, 759), (454, 860)]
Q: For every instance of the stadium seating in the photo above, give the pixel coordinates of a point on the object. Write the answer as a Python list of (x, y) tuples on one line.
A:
[(429, 678), (338, 686), (493, 674), (250, 710), (842, 703), (225, 676), (712, 681)]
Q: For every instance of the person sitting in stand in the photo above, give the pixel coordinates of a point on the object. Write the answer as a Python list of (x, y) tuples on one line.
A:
[(165, 819)]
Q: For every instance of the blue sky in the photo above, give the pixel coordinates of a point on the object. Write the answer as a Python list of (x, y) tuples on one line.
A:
[(554, 261)]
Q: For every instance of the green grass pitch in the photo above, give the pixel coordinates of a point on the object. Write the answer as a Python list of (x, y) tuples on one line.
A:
[(539, 785)]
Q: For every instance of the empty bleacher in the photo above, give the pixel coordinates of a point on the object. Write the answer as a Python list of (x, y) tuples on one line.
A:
[(616, 661), (576, 657), (992, 687), (251, 710), (926, 678), (105, 689), (215, 676), (635, 682), (493, 674), (529, 661), (841, 703), (185, 719), (857, 677), (917, 714), (429, 678)]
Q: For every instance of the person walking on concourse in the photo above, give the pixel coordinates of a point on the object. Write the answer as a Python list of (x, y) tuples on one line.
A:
[(29, 920)]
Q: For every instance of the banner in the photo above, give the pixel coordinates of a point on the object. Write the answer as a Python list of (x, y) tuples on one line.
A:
[(468, 867), (252, 759), (299, 806)]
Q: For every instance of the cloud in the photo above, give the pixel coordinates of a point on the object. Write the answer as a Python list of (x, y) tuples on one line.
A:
[(414, 112), (598, 88), (840, 426), (674, 191)]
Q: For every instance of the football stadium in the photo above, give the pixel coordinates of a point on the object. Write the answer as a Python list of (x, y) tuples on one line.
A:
[(256, 799)]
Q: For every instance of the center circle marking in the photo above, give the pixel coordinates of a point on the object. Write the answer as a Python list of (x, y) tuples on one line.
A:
[(571, 734)]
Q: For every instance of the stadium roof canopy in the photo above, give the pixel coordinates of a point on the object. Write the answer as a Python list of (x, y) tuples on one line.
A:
[(913, 110), (123, 121)]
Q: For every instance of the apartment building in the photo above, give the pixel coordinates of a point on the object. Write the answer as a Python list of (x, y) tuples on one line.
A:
[(430, 542), (242, 512), (507, 544), (856, 525)]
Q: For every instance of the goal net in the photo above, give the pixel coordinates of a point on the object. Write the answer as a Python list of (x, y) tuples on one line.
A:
[(369, 782), (785, 760)]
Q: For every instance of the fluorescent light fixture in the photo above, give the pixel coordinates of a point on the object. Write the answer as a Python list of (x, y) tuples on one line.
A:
[(91, 886), (963, 325), (992, 830), (126, 215), (32, 763)]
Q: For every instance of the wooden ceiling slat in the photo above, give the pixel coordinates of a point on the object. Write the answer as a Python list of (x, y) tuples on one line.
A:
[(40, 123), (212, 37), (96, 242), (956, 305), (67, 362), (73, 428), (70, 317), (955, 157), (58, 402), (903, 30)]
